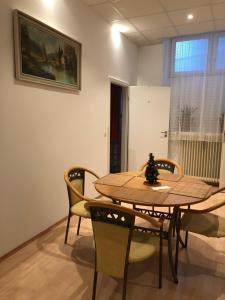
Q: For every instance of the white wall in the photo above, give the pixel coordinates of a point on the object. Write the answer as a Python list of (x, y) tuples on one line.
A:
[(44, 130), (150, 65)]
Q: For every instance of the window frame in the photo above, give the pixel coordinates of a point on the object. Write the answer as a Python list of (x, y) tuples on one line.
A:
[(184, 39), (210, 70), (189, 38), (216, 37)]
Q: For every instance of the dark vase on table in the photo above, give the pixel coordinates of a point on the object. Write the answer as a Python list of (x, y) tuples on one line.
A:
[(151, 171)]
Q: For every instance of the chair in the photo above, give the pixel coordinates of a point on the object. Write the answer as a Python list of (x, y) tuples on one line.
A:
[(202, 221), (118, 242), (165, 165), (75, 181)]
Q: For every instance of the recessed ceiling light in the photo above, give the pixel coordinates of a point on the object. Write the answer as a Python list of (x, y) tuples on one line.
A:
[(190, 17), (119, 27), (49, 3)]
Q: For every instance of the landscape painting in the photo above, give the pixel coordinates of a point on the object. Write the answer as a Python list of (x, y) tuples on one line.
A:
[(44, 55)]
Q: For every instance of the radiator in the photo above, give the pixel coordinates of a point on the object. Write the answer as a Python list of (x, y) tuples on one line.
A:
[(200, 158)]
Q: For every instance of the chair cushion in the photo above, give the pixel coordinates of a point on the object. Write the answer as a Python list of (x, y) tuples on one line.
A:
[(143, 245), (80, 210), (206, 224)]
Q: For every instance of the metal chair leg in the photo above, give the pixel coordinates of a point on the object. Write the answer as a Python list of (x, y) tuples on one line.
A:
[(160, 260), (67, 227), (170, 250), (186, 234), (177, 242), (174, 227), (186, 239), (78, 226), (94, 285), (124, 286)]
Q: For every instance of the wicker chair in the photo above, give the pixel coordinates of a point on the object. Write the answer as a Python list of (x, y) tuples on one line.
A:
[(75, 181), (165, 165), (118, 242), (202, 221)]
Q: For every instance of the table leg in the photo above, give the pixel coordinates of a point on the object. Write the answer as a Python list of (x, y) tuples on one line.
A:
[(170, 248), (178, 240)]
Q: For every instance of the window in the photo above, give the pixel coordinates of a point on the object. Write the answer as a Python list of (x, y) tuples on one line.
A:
[(220, 54), (191, 55), (196, 75)]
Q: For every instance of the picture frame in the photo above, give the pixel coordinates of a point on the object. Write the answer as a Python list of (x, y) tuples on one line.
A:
[(44, 55)]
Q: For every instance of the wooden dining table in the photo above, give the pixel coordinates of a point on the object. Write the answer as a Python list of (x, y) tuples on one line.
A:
[(170, 191)]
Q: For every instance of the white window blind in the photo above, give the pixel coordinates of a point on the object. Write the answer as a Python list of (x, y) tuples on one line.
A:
[(195, 70)]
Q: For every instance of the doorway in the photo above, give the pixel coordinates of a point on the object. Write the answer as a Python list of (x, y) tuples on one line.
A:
[(118, 127)]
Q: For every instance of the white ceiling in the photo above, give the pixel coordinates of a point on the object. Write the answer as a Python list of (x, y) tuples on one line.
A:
[(148, 21)]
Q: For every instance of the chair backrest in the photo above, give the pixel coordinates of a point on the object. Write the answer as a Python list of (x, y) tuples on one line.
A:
[(218, 201), (165, 165), (75, 181), (112, 227), (112, 231), (202, 221)]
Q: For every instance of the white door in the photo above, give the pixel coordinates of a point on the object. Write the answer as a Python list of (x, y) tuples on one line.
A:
[(148, 123)]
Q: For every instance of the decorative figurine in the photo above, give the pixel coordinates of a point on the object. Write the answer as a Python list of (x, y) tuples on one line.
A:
[(151, 171)]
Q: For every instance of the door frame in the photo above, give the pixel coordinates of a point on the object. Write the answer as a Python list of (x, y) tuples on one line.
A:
[(125, 122)]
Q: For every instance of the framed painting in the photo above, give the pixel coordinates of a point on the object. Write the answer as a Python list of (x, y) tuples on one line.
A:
[(45, 55)]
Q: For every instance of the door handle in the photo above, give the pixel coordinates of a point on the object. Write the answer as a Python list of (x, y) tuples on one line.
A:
[(165, 133)]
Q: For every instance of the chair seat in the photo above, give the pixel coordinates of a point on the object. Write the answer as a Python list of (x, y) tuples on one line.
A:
[(206, 224), (143, 245), (80, 210)]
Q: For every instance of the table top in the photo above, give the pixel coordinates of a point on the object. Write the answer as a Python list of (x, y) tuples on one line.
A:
[(171, 190)]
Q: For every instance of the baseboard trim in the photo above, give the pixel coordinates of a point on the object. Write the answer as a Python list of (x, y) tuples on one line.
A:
[(13, 251)]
